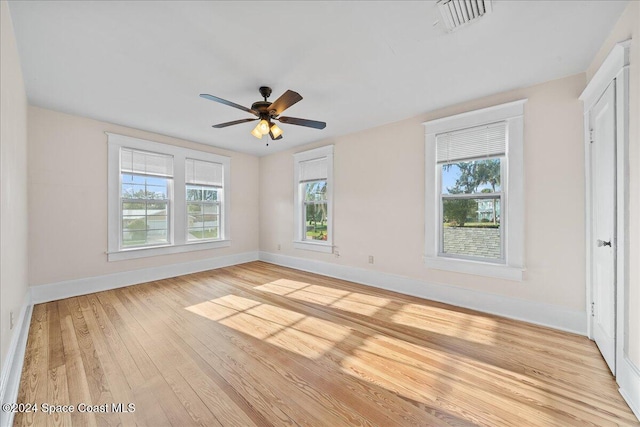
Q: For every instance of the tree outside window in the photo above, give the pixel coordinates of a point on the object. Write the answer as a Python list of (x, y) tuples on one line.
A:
[(315, 210)]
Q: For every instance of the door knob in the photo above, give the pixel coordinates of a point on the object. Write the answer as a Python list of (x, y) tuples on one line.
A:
[(601, 243)]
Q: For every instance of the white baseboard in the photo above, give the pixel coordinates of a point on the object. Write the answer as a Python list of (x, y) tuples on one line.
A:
[(628, 378), (12, 369), (539, 313), (89, 285)]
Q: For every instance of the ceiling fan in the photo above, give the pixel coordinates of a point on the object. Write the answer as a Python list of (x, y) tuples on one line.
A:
[(266, 112)]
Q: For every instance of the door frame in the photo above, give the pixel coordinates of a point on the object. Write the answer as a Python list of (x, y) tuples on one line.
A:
[(614, 68)]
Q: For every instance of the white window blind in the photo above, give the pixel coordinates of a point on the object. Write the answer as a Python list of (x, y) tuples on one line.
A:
[(472, 143), (314, 170), (145, 163), (203, 173)]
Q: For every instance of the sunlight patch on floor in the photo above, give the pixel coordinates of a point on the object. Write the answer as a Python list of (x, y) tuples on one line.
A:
[(484, 330), (438, 312), (423, 317), (436, 378), (352, 302), (287, 329), (215, 309), (290, 288)]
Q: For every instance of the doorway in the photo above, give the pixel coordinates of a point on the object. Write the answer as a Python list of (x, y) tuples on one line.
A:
[(606, 116), (602, 144)]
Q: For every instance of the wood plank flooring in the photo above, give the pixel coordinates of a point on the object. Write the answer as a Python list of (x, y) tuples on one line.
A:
[(262, 345)]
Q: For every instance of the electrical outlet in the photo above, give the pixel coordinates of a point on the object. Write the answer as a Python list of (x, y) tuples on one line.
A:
[(279, 246), (11, 320), (370, 259)]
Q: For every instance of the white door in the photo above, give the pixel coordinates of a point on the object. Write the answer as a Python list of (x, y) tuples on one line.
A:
[(602, 120)]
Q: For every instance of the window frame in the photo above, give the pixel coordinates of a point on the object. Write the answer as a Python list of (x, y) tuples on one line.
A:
[(299, 241), (178, 222), (511, 209)]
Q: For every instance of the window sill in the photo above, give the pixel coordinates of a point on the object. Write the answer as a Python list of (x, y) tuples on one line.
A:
[(166, 250), (477, 268), (313, 246)]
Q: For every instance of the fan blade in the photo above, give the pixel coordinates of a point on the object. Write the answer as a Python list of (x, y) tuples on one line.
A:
[(302, 122), (229, 103), (285, 101), (275, 139), (235, 122)]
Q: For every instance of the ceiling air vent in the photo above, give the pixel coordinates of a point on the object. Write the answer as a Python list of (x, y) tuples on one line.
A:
[(456, 13)]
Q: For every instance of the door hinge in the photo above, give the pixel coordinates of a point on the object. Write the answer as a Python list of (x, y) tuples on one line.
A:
[(593, 310), (591, 139)]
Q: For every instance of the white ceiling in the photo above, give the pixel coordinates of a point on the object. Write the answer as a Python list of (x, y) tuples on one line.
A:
[(357, 64)]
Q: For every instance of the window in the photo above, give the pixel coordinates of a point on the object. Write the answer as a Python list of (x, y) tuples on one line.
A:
[(313, 174), (204, 193), (470, 163), (165, 199), (145, 180), (474, 192)]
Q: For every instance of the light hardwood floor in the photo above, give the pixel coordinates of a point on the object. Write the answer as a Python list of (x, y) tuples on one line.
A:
[(258, 344)]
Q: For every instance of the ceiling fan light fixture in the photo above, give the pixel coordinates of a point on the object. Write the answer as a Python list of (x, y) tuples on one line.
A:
[(263, 127), (275, 130), (256, 132)]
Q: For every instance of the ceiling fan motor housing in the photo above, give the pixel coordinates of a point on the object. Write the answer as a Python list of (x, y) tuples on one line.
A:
[(262, 107)]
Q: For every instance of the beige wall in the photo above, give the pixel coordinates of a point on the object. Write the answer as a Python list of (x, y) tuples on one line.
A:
[(68, 199), (628, 27), (13, 182), (379, 198)]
